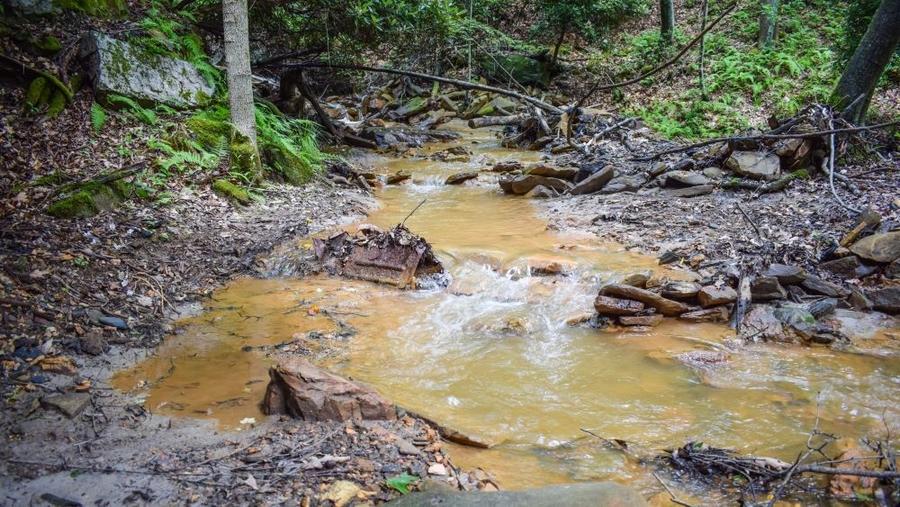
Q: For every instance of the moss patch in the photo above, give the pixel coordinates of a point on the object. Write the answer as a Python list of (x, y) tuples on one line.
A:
[(57, 104), (208, 132), (231, 192), (36, 92), (50, 180), (99, 8), (47, 46), (245, 157), (89, 200)]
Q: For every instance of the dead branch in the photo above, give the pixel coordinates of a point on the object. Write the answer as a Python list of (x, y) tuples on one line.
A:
[(293, 54), (456, 82), (491, 121)]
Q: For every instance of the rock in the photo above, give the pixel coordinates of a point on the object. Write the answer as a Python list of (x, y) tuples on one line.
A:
[(713, 173), (58, 364), (878, 247), (398, 177), (588, 494), (886, 300), (893, 270), (307, 392), (563, 173), (714, 296), (70, 404), (637, 279), (579, 319), (115, 322), (89, 200), (506, 166), (231, 192), (94, 344), (407, 449), (668, 257), (847, 267), (613, 306), (437, 469), (681, 179), (680, 290), (117, 67), (641, 320), (341, 493), (858, 301), (595, 182), (459, 178), (816, 285), (32, 7), (665, 306), (786, 275), (867, 220), (623, 184), (716, 314), (758, 165), (521, 185), (822, 307), (761, 324), (689, 192), (541, 192), (766, 288), (703, 359)]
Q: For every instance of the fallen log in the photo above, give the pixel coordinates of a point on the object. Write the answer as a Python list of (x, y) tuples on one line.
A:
[(456, 82), (492, 121)]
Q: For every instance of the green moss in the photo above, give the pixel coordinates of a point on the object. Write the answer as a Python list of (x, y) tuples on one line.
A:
[(36, 91), (57, 104), (208, 132), (99, 8), (48, 46), (231, 191), (89, 200), (245, 157), (49, 180), (76, 82)]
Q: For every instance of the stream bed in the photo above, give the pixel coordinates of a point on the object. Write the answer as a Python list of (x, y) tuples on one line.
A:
[(492, 355)]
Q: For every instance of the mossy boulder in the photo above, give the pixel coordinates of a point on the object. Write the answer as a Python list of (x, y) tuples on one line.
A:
[(89, 200), (231, 192), (56, 104), (99, 8), (208, 132), (38, 92), (526, 70)]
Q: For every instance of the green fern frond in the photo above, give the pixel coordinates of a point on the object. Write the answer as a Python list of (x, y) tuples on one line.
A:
[(98, 117)]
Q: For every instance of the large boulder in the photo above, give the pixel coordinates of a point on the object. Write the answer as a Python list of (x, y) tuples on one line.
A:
[(758, 165), (664, 306), (595, 182), (878, 247), (304, 391), (117, 67), (588, 494), (681, 179)]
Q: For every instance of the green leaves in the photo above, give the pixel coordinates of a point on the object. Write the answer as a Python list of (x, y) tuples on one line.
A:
[(401, 482), (98, 117), (143, 114)]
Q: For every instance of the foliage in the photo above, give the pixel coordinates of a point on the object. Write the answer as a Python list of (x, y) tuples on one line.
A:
[(401, 482), (590, 18), (147, 116)]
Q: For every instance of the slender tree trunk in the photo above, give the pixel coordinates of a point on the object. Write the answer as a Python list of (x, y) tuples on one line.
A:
[(705, 10), (237, 61), (667, 20), (559, 41), (768, 21), (854, 90)]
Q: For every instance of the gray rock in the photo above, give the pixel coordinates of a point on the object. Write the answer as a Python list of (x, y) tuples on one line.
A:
[(761, 324), (680, 179), (893, 270), (563, 173), (689, 192), (70, 404), (680, 290), (786, 275), (540, 192), (623, 184), (878, 247), (595, 182), (766, 288), (521, 185), (822, 307), (886, 300), (589, 494), (117, 67), (816, 285), (406, 448), (847, 267), (715, 314), (32, 7), (713, 173), (641, 320), (714, 296), (858, 300), (758, 165), (94, 344), (115, 322)]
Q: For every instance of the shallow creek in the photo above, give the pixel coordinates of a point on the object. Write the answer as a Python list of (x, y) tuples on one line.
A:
[(492, 356)]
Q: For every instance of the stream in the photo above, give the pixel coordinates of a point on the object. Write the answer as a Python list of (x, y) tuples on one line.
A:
[(492, 355)]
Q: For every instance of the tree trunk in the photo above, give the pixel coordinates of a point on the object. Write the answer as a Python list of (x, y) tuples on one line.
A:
[(768, 20), (559, 41), (237, 61), (667, 20), (854, 90)]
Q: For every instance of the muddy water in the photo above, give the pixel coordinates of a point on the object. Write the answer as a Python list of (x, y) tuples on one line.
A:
[(491, 355)]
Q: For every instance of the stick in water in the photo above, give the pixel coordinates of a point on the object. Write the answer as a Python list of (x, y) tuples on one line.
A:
[(413, 211)]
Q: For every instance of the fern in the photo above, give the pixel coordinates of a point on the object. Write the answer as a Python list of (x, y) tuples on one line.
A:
[(98, 117), (143, 114)]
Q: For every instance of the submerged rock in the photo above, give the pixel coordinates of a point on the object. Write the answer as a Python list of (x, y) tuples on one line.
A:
[(591, 494), (301, 390), (460, 178), (117, 67)]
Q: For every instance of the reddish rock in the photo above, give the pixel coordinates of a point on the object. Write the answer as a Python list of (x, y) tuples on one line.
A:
[(717, 314), (664, 306), (641, 320), (304, 391), (614, 306), (715, 296)]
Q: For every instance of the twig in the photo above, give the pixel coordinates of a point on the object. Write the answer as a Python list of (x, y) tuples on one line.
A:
[(413, 211), (749, 220), (669, 491)]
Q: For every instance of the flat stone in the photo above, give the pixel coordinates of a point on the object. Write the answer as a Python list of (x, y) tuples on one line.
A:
[(689, 192), (398, 177), (885, 300), (893, 270), (595, 182), (623, 184), (94, 344), (847, 267), (460, 178), (766, 288), (713, 173), (714, 296), (606, 305), (70, 404), (878, 247), (506, 166), (540, 192), (822, 307), (638, 279), (715, 314), (680, 290), (117, 67), (681, 179), (406, 448), (758, 165), (588, 494), (665, 306), (816, 285), (786, 275), (563, 173), (521, 185), (641, 320), (859, 301)]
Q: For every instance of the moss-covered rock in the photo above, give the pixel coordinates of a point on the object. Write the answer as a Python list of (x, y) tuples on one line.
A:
[(99, 8), (89, 200), (50, 180), (34, 97), (57, 104), (231, 191), (47, 46), (245, 157), (208, 132)]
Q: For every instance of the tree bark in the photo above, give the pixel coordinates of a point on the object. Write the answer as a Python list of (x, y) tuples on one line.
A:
[(559, 41), (667, 20), (853, 92), (237, 61), (768, 21)]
